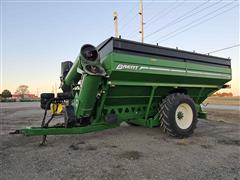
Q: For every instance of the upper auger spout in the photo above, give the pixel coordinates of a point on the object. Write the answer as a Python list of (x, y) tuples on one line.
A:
[(88, 61)]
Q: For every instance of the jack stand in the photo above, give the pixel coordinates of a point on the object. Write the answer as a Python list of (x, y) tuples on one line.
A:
[(44, 140)]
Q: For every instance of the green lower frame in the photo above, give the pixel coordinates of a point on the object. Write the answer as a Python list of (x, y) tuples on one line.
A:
[(37, 131), (139, 119)]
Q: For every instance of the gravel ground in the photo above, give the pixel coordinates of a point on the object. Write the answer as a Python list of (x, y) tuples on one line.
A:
[(127, 152)]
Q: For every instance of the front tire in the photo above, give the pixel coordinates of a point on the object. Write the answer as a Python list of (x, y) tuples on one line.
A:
[(178, 115)]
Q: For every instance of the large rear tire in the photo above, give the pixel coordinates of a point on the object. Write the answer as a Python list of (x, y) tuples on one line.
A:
[(178, 115)]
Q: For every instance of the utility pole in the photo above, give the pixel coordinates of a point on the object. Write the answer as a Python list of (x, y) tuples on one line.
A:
[(141, 21), (115, 19), (55, 89), (37, 93)]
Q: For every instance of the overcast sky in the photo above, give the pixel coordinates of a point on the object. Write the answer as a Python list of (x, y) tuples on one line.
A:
[(37, 35)]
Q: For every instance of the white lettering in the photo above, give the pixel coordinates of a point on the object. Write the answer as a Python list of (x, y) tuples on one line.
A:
[(126, 66)]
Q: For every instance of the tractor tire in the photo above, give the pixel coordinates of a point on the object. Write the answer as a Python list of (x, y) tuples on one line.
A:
[(45, 97), (178, 115)]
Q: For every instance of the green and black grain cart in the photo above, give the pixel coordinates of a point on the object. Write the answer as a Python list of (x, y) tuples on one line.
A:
[(137, 83)]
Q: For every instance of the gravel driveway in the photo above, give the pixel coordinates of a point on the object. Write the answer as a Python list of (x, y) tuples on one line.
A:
[(127, 152)]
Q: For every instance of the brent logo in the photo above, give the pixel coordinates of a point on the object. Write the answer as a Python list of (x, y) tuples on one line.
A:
[(126, 66)]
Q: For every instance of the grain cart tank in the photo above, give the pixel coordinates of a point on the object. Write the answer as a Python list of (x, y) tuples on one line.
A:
[(140, 84)]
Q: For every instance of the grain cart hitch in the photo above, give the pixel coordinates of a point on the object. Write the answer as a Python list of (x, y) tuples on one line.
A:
[(56, 111), (140, 84)]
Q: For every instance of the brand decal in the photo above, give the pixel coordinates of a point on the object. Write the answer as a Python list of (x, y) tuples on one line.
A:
[(126, 66)]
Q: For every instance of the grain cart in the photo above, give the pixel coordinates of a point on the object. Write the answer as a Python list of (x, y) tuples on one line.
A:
[(140, 84)]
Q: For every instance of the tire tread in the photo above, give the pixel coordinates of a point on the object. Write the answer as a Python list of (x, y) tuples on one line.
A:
[(164, 110)]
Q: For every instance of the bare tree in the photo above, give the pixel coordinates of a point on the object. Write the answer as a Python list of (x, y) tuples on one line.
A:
[(22, 90)]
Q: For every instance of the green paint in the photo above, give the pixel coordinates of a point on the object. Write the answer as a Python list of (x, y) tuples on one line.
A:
[(84, 101), (133, 89), (58, 131), (73, 76), (150, 103)]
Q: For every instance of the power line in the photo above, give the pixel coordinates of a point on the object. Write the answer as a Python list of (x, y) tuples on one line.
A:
[(128, 22), (159, 13), (201, 22), (153, 18), (184, 16), (230, 47), (132, 33), (136, 30), (149, 3), (176, 31), (147, 22), (129, 12)]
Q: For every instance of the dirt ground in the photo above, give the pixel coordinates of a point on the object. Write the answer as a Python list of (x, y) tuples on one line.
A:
[(231, 116), (127, 152)]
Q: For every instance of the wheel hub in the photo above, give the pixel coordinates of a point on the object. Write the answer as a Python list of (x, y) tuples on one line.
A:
[(180, 115), (184, 116)]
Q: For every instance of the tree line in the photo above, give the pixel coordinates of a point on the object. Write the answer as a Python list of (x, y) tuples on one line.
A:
[(22, 90)]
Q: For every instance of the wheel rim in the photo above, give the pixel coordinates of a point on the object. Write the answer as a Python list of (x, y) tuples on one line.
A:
[(184, 116)]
